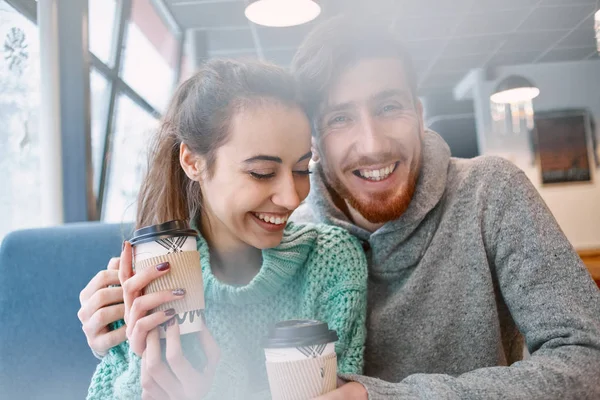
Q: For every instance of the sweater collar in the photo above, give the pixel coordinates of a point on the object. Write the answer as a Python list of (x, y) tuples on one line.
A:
[(279, 267), (429, 191)]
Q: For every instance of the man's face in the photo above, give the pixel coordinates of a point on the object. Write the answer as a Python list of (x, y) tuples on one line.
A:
[(369, 139)]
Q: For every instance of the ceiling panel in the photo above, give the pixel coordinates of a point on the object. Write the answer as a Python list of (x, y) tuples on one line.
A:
[(462, 63), (431, 8), (566, 2), (282, 37), (425, 28), (488, 23), (497, 5), (531, 41), (446, 38), (473, 45), (441, 80), (423, 49), (230, 39), (210, 14), (568, 54), (544, 18), (583, 37), (515, 58)]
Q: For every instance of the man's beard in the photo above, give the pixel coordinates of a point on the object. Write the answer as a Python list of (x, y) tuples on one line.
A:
[(381, 207)]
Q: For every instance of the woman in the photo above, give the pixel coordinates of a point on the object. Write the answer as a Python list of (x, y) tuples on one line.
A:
[(232, 156)]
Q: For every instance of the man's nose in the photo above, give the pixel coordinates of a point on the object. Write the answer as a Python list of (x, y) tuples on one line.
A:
[(286, 193), (371, 138)]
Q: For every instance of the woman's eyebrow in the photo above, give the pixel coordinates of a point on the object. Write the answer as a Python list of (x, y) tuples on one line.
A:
[(264, 158), (304, 157)]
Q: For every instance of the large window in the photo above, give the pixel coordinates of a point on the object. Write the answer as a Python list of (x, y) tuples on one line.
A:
[(151, 53), (103, 26), (128, 159), (136, 59), (20, 205), (99, 96)]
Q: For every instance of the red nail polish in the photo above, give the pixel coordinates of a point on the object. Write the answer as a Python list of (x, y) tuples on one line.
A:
[(163, 266), (170, 312)]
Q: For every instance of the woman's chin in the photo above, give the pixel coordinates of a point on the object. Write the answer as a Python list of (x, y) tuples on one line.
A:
[(264, 241)]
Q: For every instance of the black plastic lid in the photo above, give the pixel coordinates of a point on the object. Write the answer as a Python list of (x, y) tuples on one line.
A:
[(162, 231), (296, 333)]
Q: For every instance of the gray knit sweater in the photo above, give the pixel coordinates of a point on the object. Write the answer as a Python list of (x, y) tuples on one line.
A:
[(476, 264)]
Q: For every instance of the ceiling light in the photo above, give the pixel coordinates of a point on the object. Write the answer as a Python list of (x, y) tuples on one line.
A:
[(514, 89), (280, 13)]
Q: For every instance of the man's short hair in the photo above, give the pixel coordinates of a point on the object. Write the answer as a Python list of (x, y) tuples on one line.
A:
[(336, 44)]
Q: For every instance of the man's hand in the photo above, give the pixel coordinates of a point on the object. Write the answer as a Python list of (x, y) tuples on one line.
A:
[(349, 391)]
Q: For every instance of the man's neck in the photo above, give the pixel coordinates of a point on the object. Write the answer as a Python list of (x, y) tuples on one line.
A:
[(361, 221)]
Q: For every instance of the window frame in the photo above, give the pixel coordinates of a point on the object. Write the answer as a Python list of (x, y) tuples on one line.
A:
[(118, 85)]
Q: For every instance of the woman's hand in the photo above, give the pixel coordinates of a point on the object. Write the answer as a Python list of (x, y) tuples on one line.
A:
[(137, 305), (176, 379), (100, 306)]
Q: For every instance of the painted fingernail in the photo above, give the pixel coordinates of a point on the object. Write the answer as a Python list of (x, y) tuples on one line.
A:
[(171, 322), (163, 266), (170, 312), (179, 292)]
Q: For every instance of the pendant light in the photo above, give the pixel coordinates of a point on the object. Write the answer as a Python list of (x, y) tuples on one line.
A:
[(514, 89), (282, 13), (512, 103)]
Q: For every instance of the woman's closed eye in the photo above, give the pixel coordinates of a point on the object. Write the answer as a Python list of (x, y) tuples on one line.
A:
[(262, 176)]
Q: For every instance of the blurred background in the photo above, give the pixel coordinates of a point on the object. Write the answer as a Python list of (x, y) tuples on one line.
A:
[(83, 85)]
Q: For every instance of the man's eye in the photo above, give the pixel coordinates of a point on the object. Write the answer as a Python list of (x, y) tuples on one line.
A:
[(256, 175), (340, 119), (389, 108)]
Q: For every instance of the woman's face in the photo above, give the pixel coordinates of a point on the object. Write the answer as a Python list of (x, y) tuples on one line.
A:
[(259, 177)]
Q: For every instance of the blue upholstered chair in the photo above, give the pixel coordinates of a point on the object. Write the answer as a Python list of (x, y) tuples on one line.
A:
[(43, 351)]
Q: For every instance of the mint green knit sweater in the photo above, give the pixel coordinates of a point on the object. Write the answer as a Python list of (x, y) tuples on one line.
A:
[(317, 272)]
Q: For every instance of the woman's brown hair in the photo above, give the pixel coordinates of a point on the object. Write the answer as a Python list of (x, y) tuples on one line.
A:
[(198, 116)]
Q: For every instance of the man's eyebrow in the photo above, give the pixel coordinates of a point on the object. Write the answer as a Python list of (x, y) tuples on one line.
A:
[(337, 107), (386, 94), (264, 158)]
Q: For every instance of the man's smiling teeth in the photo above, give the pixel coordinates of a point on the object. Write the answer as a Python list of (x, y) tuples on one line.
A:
[(377, 174), (271, 219)]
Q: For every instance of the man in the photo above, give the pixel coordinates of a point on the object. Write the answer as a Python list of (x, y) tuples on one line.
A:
[(465, 259)]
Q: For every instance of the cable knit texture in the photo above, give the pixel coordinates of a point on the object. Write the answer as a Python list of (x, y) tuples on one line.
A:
[(317, 272)]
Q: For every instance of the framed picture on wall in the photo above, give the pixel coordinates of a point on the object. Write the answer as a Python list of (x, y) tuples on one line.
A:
[(564, 146)]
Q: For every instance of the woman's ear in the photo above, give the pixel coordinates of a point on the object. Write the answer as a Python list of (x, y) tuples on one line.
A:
[(315, 150), (192, 164)]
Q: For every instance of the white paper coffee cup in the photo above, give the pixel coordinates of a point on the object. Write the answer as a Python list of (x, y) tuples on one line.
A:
[(300, 359), (299, 353), (173, 242), (164, 246)]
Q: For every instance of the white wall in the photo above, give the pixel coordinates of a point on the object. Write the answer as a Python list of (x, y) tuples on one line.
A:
[(576, 206)]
